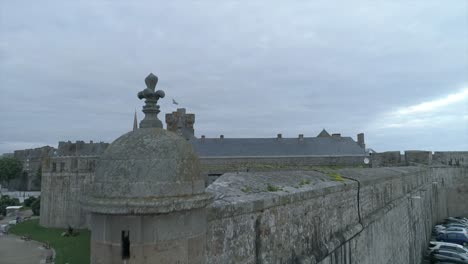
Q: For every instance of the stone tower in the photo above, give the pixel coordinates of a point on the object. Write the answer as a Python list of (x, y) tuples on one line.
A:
[(181, 123), (148, 200)]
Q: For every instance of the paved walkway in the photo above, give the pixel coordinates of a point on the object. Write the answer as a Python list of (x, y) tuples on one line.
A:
[(14, 250)]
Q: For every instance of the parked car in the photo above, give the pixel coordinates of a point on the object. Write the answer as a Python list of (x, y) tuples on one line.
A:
[(439, 228), (453, 229), (435, 245), (454, 237), (454, 220), (457, 218), (456, 225), (448, 256)]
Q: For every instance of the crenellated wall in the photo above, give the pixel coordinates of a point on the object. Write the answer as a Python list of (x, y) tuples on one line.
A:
[(378, 215), (64, 182)]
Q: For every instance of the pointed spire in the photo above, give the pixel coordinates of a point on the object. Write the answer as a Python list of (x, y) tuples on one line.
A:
[(135, 122)]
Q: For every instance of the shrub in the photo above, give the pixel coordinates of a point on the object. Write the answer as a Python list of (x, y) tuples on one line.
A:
[(36, 206), (29, 201)]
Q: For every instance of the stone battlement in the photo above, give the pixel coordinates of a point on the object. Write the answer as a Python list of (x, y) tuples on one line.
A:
[(81, 148)]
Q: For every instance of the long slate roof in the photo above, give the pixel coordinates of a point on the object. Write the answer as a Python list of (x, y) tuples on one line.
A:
[(242, 147)]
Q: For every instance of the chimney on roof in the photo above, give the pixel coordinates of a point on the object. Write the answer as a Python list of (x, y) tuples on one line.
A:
[(279, 136), (221, 137), (360, 140), (301, 137), (337, 135)]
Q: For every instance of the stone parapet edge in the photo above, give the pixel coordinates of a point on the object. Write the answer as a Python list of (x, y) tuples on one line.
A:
[(151, 205)]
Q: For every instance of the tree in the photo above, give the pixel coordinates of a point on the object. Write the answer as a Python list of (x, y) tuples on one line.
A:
[(6, 201), (10, 168)]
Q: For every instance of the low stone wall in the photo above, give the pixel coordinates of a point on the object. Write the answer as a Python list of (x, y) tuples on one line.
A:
[(451, 158), (211, 165), (418, 157), (378, 215), (386, 159)]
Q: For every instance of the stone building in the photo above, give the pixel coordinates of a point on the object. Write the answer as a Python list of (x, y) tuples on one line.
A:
[(222, 154), (66, 177)]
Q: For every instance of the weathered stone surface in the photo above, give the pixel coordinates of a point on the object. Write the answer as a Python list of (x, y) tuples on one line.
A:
[(451, 158), (65, 182), (163, 238), (416, 157), (181, 123), (151, 109), (386, 159), (142, 169), (320, 222)]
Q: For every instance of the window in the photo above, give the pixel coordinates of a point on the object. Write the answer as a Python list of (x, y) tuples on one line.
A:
[(125, 244), (451, 236), (92, 165), (54, 167), (74, 164), (62, 166)]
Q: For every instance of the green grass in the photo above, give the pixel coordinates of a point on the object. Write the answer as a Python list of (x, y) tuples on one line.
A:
[(72, 250), (304, 182), (272, 188), (336, 176)]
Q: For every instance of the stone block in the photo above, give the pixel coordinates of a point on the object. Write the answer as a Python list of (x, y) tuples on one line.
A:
[(418, 157)]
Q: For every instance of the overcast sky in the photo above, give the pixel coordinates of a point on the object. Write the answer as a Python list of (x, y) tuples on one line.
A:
[(395, 70)]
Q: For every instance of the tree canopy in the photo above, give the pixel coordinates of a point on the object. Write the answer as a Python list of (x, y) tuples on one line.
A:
[(10, 168)]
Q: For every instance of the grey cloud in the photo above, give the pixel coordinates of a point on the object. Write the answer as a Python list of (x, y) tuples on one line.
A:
[(72, 69)]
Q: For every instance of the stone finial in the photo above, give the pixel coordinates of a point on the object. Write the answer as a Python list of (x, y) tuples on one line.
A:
[(151, 109)]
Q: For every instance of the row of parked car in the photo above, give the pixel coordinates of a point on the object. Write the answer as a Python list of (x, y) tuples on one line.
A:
[(450, 243)]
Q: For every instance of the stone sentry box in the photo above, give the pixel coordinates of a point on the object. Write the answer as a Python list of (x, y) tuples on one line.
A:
[(148, 200)]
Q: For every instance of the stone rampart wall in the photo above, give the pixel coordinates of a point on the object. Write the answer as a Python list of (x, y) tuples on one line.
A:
[(64, 181), (312, 217)]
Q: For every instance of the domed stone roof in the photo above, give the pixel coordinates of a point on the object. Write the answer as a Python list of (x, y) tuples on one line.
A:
[(148, 162), (149, 170)]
